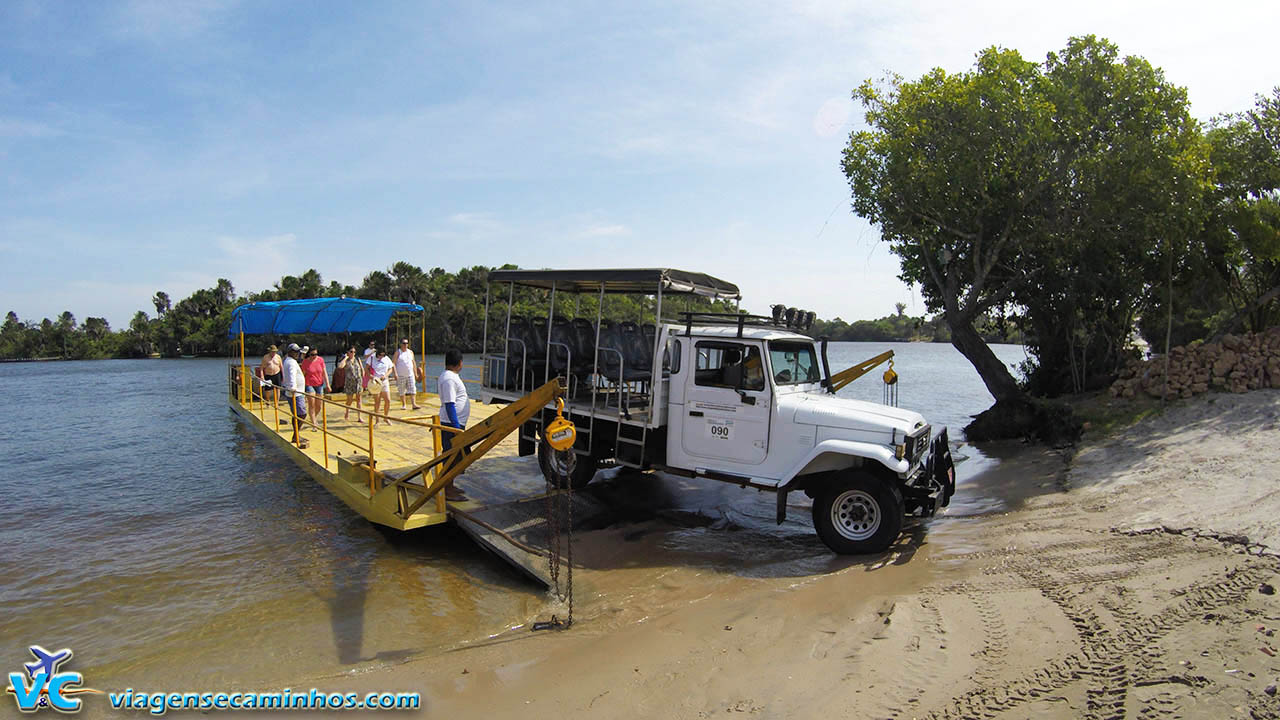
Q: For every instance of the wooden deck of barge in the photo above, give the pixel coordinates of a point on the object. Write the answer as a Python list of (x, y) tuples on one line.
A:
[(501, 510)]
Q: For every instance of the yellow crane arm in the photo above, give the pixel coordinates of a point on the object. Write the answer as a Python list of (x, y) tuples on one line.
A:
[(480, 438), (848, 375)]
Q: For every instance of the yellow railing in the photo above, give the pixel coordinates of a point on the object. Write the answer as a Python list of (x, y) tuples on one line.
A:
[(258, 398)]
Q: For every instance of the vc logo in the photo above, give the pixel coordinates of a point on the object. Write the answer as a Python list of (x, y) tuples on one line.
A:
[(43, 686)]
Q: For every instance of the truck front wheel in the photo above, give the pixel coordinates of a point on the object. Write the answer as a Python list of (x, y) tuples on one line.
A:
[(858, 514), (559, 465)]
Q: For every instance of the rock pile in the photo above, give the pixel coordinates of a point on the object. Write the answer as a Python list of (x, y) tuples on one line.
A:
[(1237, 364)]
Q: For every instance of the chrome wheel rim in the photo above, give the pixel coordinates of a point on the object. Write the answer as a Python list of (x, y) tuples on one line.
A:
[(855, 515)]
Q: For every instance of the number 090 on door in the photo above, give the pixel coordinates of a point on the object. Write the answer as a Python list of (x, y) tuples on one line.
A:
[(720, 429)]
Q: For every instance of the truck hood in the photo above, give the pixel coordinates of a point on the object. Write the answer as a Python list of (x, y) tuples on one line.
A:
[(836, 412)]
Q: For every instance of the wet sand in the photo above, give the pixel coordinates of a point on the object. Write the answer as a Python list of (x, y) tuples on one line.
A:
[(1099, 588)]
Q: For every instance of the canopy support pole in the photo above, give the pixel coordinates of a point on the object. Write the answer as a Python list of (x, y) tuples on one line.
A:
[(655, 372), (242, 375), (484, 333), (551, 314)]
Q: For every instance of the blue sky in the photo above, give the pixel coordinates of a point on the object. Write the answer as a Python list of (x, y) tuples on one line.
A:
[(160, 145)]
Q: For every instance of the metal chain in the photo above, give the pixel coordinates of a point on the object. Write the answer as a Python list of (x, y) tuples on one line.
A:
[(556, 496), (553, 530), (568, 585)]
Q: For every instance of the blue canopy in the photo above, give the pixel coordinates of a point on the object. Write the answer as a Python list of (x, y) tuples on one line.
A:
[(316, 315)]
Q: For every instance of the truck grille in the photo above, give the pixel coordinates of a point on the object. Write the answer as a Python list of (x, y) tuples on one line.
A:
[(916, 443)]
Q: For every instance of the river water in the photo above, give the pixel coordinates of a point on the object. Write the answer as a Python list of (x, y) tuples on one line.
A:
[(172, 547)]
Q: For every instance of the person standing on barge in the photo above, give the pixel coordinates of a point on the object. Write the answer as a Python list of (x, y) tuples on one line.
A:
[(295, 389), (316, 376), (353, 371), (403, 374), (271, 366), (455, 408), (380, 374)]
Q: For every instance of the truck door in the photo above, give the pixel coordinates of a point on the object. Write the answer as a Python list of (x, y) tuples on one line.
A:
[(727, 404)]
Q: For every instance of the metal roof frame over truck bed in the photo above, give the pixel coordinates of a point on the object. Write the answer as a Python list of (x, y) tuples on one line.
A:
[(635, 281), (657, 282)]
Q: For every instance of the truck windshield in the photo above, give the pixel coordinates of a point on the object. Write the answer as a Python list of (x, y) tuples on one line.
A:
[(793, 363)]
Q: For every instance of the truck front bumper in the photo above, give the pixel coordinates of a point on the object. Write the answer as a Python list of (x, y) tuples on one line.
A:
[(935, 482)]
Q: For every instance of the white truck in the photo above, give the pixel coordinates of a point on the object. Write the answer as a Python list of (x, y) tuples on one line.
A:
[(730, 397)]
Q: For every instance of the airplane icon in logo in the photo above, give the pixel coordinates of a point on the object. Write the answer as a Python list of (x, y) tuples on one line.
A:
[(46, 662)]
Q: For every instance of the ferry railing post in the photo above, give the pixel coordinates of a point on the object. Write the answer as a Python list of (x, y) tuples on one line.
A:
[(324, 430), (372, 419), (275, 403), (435, 471)]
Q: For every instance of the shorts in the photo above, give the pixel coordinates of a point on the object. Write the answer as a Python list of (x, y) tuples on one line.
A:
[(299, 405), (379, 385), (446, 437), (406, 386), (315, 389)]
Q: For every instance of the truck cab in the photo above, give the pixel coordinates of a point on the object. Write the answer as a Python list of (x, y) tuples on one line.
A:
[(725, 396)]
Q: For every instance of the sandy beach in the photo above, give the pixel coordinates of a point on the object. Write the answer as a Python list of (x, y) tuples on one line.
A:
[(1132, 580)]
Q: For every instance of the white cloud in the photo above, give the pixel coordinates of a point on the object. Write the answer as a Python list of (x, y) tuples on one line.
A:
[(17, 128), (603, 231), (833, 117), (170, 20), (257, 263)]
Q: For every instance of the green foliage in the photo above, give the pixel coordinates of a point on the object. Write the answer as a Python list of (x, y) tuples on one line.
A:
[(1050, 191), (57, 339), (197, 324), (1230, 277), (901, 327)]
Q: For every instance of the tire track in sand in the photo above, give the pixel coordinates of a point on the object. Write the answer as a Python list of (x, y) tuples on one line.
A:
[(1101, 660)]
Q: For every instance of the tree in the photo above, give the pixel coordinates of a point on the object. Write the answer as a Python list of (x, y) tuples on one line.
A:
[(1130, 171), (140, 333), (161, 301), (66, 326), (951, 170), (1055, 189), (1246, 157)]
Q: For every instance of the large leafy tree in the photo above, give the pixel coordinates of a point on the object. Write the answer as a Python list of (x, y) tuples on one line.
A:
[(1246, 157), (953, 169), (1050, 189)]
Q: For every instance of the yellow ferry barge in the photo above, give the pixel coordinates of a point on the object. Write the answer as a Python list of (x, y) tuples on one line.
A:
[(393, 475)]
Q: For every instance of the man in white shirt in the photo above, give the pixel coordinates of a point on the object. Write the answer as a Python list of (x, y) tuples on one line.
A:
[(295, 387), (404, 375), (455, 407), (381, 372), (368, 356)]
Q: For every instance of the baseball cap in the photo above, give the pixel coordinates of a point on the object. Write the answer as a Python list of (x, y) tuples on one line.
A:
[(293, 347)]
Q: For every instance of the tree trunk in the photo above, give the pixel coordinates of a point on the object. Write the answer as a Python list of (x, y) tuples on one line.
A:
[(995, 375)]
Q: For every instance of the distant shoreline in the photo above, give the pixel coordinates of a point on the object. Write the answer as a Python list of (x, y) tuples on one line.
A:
[(24, 360)]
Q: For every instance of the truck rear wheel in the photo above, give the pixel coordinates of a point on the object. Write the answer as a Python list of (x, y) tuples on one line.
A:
[(557, 465), (858, 514)]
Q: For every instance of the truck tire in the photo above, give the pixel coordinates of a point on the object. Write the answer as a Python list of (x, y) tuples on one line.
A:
[(858, 514), (556, 464)]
